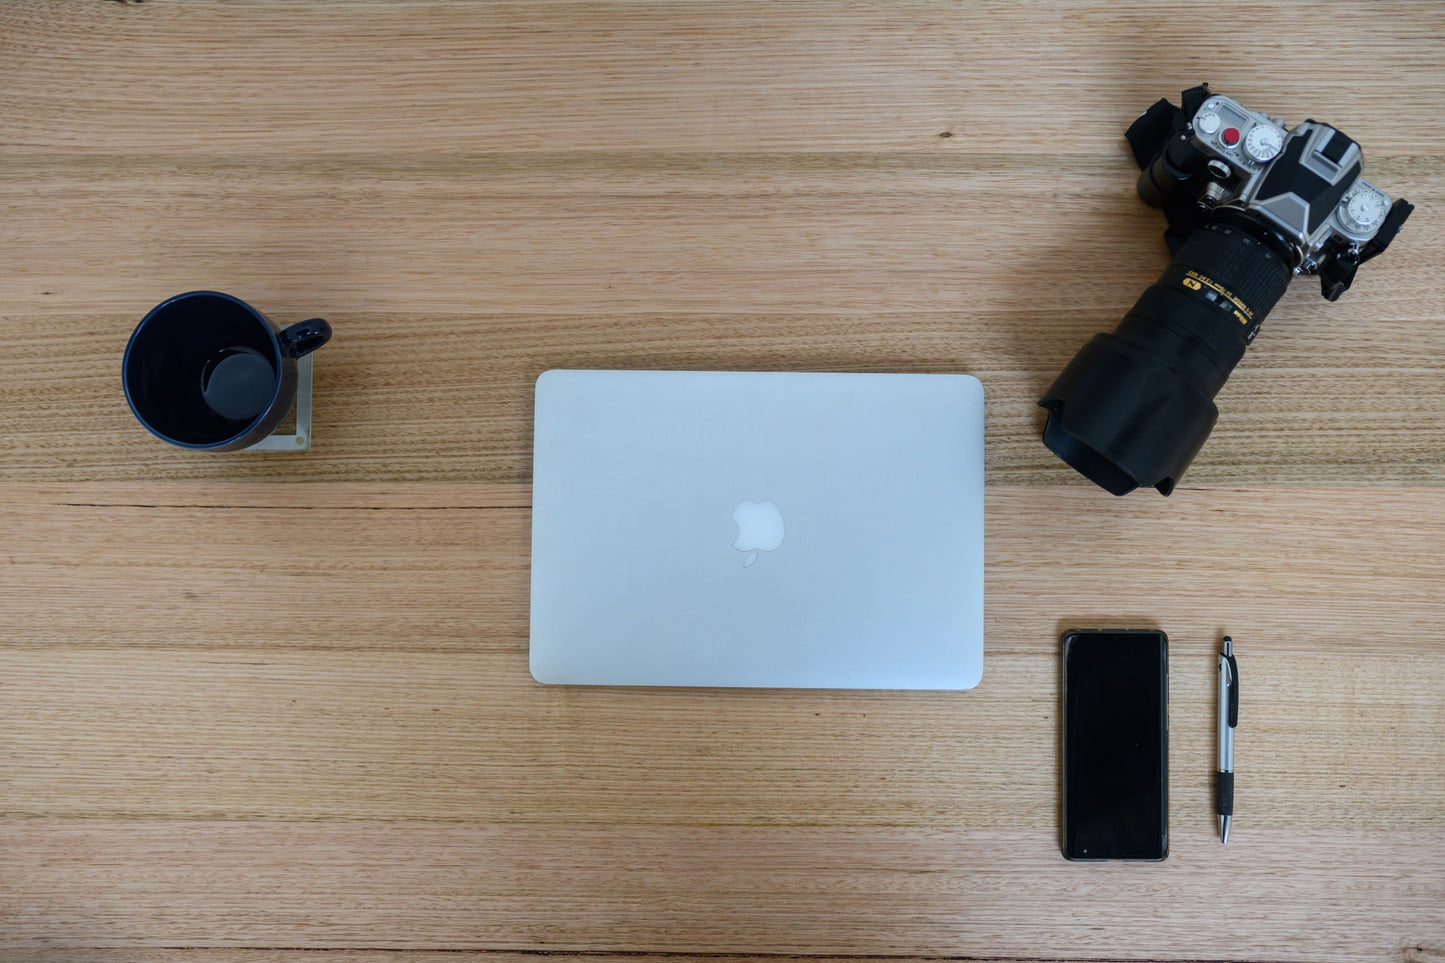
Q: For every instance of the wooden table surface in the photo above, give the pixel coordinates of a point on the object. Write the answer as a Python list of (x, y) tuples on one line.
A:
[(258, 705)]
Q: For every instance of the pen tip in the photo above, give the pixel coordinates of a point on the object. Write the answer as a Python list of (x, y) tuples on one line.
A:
[(1224, 829)]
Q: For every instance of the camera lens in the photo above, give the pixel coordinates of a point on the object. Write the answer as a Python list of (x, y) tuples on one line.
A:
[(1133, 407)]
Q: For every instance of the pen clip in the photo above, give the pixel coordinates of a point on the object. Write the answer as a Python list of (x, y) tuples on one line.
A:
[(1233, 690)]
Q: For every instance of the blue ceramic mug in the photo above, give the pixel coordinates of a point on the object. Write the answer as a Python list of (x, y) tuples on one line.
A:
[(205, 370)]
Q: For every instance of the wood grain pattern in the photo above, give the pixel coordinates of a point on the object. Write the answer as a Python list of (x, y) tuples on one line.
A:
[(269, 708), (230, 954), (273, 734), (1302, 895), (419, 76)]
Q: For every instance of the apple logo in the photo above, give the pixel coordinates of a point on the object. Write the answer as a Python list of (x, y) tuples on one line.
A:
[(760, 529)]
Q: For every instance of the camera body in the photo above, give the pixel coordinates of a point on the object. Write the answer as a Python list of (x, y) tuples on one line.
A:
[(1250, 204), (1301, 186)]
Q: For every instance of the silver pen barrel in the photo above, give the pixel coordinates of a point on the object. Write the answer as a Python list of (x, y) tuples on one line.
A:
[(1228, 718), (1226, 734)]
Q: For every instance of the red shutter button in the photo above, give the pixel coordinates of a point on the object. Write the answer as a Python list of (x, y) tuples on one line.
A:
[(1229, 136)]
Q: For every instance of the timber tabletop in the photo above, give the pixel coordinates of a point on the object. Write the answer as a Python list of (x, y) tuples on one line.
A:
[(259, 705)]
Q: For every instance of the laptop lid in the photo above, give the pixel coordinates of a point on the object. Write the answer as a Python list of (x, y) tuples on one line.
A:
[(757, 529)]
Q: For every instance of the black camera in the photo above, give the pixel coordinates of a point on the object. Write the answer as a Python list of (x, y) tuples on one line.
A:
[(1250, 203)]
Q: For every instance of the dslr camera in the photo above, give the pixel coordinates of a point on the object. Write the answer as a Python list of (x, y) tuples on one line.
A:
[(1250, 203)]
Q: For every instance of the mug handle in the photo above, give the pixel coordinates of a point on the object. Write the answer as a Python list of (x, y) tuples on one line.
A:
[(304, 337)]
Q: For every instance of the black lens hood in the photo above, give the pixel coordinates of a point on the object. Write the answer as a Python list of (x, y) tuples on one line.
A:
[(1123, 418)]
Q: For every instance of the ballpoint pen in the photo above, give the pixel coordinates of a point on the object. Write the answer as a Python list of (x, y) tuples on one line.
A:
[(1228, 719)]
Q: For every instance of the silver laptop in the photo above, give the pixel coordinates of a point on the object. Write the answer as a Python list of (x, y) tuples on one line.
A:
[(758, 529)]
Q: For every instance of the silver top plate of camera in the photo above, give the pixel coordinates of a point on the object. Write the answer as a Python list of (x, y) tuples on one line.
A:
[(1304, 180)]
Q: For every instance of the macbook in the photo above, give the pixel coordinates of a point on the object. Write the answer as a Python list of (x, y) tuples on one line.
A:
[(757, 529)]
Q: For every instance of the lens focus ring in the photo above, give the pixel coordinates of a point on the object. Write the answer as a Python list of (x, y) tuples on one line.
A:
[(1206, 307), (1247, 269)]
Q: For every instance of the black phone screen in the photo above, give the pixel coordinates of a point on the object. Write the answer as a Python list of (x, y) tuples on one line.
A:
[(1116, 752)]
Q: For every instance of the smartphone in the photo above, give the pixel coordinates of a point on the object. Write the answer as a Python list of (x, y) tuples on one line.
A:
[(1116, 744)]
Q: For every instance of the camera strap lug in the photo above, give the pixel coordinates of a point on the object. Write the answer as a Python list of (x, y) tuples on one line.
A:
[(1162, 121), (1399, 212)]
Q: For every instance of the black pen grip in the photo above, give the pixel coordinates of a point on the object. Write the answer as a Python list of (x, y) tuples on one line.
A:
[(1224, 793)]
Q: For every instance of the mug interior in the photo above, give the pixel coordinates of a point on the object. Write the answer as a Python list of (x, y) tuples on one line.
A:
[(170, 354)]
